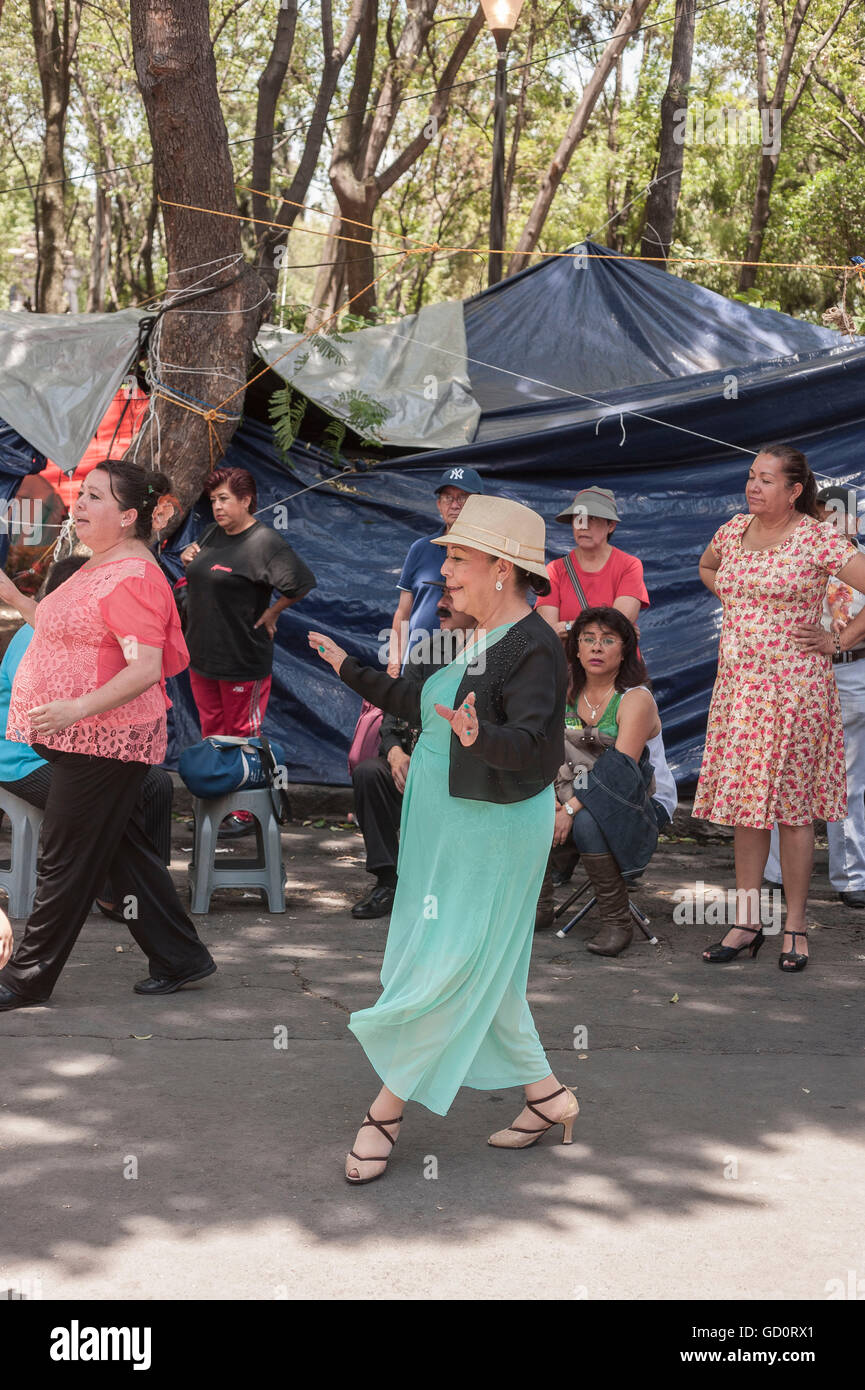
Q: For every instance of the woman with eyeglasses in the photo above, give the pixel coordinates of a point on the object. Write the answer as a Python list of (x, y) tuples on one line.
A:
[(614, 790)]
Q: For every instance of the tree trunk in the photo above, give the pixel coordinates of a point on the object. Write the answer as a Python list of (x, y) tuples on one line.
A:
[(777, 117), (520, 112), (574, 134), (100, 249), (55, 47), (145, 249), (663, 199), (613, 237), (287, 212), (101, 136), (362, 141), (330, 280), (269, 90), (205, 356)]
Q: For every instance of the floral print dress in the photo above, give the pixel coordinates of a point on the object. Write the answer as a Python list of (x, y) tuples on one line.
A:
[(774, 742)]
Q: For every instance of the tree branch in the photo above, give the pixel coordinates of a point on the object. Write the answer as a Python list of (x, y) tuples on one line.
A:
[(438, 109)]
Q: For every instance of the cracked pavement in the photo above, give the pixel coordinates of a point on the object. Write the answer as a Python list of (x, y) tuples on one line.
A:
[(192, 1146)]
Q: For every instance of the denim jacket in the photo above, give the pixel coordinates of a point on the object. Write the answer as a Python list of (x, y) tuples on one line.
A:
[(617, 795)]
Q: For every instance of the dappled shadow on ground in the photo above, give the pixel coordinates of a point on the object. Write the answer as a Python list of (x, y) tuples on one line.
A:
[(229, 1107)]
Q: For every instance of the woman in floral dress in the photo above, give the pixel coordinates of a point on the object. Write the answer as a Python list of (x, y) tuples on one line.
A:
[(774, 743)]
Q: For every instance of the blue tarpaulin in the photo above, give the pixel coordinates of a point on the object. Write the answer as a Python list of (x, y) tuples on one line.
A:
[(612, 373), (590, 322), (17, 459), (674, 484)]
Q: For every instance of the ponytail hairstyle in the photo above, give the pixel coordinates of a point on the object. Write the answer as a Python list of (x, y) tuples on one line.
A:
[(134, 487), (794, 466)]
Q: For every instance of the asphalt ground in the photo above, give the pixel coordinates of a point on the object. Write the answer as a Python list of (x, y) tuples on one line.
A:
[(192, 1146)]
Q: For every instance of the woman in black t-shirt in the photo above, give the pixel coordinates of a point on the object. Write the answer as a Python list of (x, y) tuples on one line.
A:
[(231, 573)]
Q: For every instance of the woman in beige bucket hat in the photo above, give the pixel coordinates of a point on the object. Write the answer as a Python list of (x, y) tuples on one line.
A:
[(477, 823), (607, 576)]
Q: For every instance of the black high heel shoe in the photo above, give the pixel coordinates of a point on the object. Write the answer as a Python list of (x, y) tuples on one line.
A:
[(719, 954), (793, 960)]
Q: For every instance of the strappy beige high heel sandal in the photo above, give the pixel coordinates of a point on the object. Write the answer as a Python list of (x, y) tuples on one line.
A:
[(515, 1137), (379, 1124)]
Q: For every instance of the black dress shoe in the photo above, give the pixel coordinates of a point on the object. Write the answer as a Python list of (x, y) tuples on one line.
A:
[(378, 903), (854, 899), (109, 911), (154, 985), (9, 999)]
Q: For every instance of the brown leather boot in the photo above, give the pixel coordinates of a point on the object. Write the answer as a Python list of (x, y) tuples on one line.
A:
[(611, 892), (545, 910)]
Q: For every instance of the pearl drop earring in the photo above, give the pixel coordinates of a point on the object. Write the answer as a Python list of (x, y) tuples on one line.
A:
[(499, 584)]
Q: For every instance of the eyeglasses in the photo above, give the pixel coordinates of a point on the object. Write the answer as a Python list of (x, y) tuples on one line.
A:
[(588, 641)]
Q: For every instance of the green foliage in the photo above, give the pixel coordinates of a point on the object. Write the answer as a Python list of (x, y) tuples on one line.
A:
[(352, 410), (286, 409), (817, 206), (356, 411), (757, 299)]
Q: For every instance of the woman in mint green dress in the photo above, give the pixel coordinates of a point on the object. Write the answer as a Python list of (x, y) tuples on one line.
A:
[(477, 824)]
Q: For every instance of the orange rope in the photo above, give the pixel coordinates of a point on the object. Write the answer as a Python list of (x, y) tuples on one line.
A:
[(213, 415), (321, 213), (573, 255), (262, 222), (310, 333)]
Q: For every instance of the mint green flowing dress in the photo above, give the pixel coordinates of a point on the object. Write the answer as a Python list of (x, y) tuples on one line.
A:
[(453, 1011)]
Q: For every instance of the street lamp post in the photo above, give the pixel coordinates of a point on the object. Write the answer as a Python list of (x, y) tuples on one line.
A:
[(501, 17)]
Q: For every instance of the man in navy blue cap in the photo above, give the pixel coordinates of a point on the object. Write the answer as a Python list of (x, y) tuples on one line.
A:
[(421, 579)]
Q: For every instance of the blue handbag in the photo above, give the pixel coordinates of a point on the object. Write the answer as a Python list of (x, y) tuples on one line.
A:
[(226, 763)]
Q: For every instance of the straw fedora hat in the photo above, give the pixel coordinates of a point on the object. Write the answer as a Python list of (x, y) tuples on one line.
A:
[(498, 526)]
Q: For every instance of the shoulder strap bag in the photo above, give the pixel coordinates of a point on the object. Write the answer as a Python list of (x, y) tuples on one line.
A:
[(578, 588)]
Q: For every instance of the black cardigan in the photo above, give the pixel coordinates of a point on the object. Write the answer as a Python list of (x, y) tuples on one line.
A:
[(520, 704)]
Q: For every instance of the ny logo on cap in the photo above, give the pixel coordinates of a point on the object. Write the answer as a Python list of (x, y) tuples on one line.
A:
[(456, 472)]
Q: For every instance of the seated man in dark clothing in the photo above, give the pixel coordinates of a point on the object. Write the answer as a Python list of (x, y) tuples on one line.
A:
[(380, 782)]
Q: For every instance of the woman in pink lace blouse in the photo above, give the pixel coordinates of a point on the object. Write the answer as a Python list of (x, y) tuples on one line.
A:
[(89, 695)]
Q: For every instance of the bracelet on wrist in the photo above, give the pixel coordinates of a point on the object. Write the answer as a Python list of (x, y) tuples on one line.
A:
[(836, 643)]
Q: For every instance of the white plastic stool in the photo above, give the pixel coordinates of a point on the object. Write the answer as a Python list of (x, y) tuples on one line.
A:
[(19, 879), (264, 872)]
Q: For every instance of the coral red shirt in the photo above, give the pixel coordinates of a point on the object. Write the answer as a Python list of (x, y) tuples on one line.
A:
[(80, 633), (620, 577)]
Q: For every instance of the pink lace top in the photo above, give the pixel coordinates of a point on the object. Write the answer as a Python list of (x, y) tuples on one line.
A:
[(81, 631)]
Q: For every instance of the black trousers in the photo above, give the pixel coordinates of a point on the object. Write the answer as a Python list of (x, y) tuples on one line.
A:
[(157, 793), (378, 807), (94, 829)]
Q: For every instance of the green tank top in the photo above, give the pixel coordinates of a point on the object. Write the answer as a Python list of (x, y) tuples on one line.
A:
[(607, 722)]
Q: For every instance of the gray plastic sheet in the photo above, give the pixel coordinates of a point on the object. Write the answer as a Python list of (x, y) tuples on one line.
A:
[(416, 368), (59, 373)]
